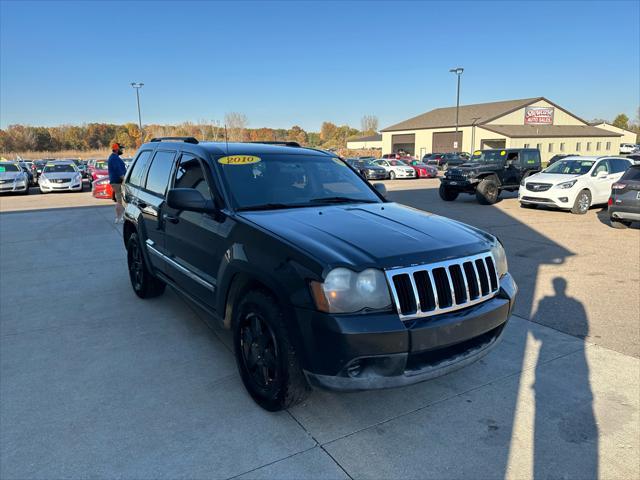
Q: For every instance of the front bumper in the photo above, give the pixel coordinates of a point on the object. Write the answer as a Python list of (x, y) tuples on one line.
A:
[(363, 352), (13, 188), (61, 187), (376, 175), (405, 174), (554, 197)]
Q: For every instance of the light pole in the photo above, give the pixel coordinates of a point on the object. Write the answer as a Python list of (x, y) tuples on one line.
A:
[(458, 71), (138, 86)]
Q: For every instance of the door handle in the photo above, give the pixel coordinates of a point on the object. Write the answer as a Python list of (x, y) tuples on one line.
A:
[(170, 219)]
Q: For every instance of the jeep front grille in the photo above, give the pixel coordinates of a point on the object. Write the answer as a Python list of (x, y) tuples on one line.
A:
[(426, 290), (459, 177)]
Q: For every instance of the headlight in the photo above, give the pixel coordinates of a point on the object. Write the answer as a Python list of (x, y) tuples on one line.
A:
[(500, 257), (345, 291), (566, 184), (43, 179)]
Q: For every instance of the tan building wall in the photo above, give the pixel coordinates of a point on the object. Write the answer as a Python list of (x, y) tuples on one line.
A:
[(627, 136), (554, 145), (517, 117), (363, 145)]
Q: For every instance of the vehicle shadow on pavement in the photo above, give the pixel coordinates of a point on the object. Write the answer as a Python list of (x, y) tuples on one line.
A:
[(564, 436)]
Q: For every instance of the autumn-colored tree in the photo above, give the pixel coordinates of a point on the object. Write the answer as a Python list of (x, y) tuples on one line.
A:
[(328, 131), (621, 121), (297, 134)]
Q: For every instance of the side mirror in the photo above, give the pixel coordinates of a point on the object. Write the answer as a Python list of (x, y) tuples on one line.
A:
[(189, 199), (602, 174), (381, 188)]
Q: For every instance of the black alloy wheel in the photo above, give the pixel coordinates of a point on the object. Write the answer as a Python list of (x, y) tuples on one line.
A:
[(144, 284), (259, 353)]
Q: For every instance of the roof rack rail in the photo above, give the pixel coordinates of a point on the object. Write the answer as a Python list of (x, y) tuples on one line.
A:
[(286, 144), (175, 139)]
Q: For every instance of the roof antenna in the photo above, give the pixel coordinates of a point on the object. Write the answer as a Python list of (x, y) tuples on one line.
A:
[(226, 138)]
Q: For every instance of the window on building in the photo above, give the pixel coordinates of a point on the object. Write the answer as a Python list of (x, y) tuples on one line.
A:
[(562, 146), (539, 146), (526, 145), (598, 146), (551, 147), (578, 147), (608, 145), (588, 146)]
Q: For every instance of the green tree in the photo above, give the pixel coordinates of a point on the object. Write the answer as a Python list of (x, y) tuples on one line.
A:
[(621, 121)]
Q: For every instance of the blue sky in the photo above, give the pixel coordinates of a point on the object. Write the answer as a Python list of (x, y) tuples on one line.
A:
[(286, 63)]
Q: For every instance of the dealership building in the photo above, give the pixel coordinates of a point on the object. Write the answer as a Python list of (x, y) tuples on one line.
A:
[(528, 123), (369, 141)]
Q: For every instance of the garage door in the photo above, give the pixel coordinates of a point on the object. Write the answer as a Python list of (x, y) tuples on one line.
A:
[(443, 142), (405, 142)]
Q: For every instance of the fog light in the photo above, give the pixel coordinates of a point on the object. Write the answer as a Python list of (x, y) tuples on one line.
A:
[(563, 199), (354, 369)]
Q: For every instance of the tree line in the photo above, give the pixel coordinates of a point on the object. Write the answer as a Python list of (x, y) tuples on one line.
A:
[(96, 136)]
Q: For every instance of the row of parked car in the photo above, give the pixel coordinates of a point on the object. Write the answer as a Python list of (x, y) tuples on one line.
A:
[(387, 168), (574, 183), (54, 175)]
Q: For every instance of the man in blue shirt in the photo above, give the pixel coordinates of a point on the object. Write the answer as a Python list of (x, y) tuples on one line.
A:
[(117, 169)]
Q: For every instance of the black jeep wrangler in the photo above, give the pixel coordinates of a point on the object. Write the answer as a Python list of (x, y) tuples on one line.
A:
[(490, 171), (322, 281)]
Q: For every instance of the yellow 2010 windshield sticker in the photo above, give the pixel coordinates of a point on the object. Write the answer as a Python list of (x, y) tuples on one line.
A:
[(477, 152), (239, 160), (503, 153)]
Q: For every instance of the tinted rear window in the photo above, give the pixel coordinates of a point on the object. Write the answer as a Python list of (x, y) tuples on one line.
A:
[(138, 168), (632, 174), (160, 171)]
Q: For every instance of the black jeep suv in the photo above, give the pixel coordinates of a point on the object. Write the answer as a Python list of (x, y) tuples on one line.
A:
[(322, 281), (488, 172)]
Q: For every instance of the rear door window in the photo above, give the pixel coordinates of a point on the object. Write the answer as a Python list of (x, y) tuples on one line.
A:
[(618, 165), (139, 167), (160, 172), (632, 174)]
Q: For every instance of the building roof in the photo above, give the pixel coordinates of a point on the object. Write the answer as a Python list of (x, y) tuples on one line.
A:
[(369, 138), (529, 131), (468, 114), (595, 124)]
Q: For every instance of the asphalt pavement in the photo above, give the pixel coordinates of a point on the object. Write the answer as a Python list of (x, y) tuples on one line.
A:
[(95, 382)]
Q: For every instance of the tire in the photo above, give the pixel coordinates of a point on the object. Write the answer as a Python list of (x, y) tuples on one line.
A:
[(487, 192), (392, 175), (144, 284), (447, 194), (621, 224), (582, 203), (528, 205), (266, 359), (26, 191)]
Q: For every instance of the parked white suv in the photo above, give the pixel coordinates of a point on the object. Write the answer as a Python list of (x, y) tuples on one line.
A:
[(396, 168), (573, 183), (628, 148)]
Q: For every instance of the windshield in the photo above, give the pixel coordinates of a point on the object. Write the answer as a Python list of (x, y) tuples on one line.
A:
[(397, 163), (281, 181), (58, 168), (488, 156), (570, 167), (9, 167), (102, 165)]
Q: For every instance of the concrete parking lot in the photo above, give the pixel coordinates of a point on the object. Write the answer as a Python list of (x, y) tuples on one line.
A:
[(95, 382)]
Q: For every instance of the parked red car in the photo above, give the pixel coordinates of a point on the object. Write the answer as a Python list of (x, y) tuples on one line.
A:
[(97, 170), (102, 189), (422, 169)]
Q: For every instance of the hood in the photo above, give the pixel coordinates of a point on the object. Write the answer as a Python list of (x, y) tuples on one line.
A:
[(10, 175), (52, 175), (385, 235), (552, 178)]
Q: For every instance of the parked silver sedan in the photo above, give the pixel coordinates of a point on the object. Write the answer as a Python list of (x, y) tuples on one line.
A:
[(13, 179), (58, 176)]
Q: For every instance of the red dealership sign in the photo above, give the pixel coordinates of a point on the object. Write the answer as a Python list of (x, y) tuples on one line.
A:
[(538, 115)]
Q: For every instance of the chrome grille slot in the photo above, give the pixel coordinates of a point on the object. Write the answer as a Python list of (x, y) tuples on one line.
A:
[(426, 290), (406, 299)]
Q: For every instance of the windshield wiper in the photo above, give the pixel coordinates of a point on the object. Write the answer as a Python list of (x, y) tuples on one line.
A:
[(272, 206), (341, 200)]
